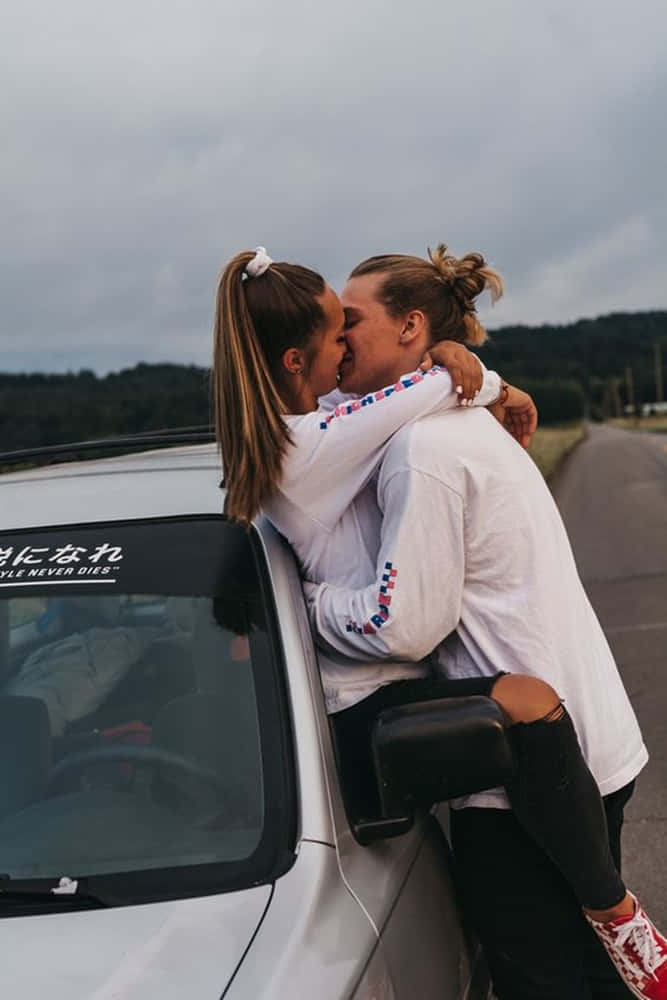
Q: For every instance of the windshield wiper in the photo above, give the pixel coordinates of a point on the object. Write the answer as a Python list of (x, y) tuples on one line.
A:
[(67, 894)]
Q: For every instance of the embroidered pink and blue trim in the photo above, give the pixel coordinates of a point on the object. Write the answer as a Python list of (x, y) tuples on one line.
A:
[(384, 600), (345, 409)]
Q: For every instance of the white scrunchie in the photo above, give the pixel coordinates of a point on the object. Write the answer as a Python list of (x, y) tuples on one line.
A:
[(260, 263)]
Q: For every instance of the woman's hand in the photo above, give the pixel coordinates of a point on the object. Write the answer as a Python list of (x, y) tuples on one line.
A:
[(517, 413), (462, 365)]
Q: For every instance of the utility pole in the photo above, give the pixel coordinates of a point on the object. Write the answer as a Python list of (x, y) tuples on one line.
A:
[(658, 371), (606, 400), (615, 397), (611, 401), (630, 390)]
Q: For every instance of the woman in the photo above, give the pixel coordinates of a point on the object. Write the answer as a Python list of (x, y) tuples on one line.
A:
[(280, 339)]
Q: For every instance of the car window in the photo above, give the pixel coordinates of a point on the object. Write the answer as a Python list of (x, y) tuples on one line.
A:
[(142, 728)]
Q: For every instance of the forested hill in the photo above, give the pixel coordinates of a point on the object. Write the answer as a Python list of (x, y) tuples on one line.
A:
[(37, 409), (588, 350), (596, 366), (567, 368)]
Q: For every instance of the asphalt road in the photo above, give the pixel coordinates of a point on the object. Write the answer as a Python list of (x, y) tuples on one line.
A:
[(612, 494)]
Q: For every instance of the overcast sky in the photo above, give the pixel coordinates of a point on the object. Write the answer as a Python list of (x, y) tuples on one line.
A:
[(144, 143)]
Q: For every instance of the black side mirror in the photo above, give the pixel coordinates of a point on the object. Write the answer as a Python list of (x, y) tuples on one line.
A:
[(432, 751)]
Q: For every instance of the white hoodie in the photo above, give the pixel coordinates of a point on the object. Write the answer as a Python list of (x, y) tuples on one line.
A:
[(331, 521), (472, 540)]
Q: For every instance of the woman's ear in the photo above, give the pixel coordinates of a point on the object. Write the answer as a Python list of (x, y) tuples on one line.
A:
[(294, 360), (414, 326)]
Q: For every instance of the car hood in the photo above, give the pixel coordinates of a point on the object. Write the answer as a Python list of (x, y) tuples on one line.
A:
[(182, 948)]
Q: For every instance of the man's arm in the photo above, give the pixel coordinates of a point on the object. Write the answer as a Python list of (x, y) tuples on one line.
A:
[(415, 600)]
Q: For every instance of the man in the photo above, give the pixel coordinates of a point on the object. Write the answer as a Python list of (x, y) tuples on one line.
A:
[(471, 540)]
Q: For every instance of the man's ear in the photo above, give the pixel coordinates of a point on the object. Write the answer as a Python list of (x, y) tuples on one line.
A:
[(413, 327), (294, 360)]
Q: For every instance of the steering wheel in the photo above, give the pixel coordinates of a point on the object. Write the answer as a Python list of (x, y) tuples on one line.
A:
[(150, 756)]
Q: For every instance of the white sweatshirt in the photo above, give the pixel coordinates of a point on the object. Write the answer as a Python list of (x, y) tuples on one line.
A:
[(472, 540), (331, 521)]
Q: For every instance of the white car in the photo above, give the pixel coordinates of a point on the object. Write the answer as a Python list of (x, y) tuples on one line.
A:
[(172, 821)]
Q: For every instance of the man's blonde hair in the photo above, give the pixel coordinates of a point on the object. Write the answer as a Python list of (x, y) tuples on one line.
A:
[(443, 287)]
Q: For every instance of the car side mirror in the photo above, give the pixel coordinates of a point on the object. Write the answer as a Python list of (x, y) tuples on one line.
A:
[(432, 751)]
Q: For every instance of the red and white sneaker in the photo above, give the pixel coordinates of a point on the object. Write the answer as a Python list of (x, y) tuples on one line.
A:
[(638, 950)]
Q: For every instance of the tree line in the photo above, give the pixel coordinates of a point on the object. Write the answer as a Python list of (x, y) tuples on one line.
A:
[(39, 409), (592, 367), (568, 369)]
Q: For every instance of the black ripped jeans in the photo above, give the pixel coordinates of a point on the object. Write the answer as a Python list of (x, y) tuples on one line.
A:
[(553, 794), (524, 874), (537, 944)]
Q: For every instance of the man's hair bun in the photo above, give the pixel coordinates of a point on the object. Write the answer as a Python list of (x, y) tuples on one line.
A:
[(467, 276)]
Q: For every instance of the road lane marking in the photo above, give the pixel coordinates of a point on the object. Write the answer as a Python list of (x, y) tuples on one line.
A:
[(646, 627)]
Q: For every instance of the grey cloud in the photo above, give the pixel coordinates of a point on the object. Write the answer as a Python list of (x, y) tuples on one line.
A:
[(147, 143)]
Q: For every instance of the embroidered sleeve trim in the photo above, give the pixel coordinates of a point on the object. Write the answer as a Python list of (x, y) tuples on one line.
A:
[(345, 409), (377, 620)]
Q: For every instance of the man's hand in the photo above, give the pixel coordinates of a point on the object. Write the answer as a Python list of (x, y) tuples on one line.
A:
[(518, 414), (462, 365)]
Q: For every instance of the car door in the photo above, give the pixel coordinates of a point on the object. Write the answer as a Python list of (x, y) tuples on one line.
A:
[(427, 952)]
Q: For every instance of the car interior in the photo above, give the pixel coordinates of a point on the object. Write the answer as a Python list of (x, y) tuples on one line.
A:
[(129, 735)]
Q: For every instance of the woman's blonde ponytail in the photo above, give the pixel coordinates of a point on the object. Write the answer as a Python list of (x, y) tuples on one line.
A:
[(256, 320)]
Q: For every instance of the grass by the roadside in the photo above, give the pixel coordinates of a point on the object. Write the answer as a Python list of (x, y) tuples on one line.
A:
[(550, 445), (658, 424)]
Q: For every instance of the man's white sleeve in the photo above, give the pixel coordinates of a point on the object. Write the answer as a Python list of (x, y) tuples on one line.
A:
[(415, 600)]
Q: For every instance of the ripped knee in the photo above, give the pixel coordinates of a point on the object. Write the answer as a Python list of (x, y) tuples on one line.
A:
[(527, 699), (556, 713)]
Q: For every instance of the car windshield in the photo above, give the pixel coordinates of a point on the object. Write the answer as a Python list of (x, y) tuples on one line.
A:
[(142, 736)]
